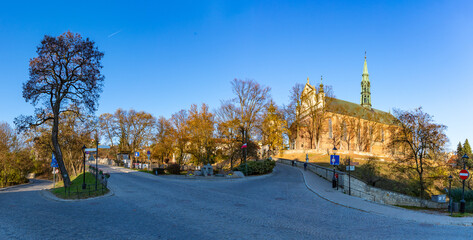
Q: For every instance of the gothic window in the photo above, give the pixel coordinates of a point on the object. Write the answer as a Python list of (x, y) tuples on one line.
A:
[(330, 128)]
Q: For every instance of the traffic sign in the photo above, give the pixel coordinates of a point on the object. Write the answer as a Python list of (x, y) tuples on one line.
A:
[(464, 174), (104, 146), (137, 154), (91, 149), (334, 159), (54, 161), (149, 153), (350, 168)]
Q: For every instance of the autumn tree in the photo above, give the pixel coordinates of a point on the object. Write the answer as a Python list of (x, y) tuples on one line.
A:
[(163, 141), (108, 127), (415, 138), (181, 133), (65, 72), (273, 128), (201, 134), (15, 159)]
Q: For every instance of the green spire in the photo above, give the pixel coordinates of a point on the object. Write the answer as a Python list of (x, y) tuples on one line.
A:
[(365, 99), (365, 71)]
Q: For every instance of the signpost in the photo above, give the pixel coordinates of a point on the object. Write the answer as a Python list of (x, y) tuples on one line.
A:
[(54, 165), (335, 160), (137, 154), (464, 174), (149, 155)]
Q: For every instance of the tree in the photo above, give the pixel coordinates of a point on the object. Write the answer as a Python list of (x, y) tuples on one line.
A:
[(228, 129), (181, 137), (108, 128), (65, 72), (292, 113), (466, 148), (201, 134), (459, 153), (250, 100), (273, 128), (163, 142), (414, 139)]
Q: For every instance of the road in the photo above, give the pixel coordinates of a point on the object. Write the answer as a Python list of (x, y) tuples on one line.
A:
[(144, 206)]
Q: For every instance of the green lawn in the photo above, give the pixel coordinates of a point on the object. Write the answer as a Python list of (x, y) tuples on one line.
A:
[(76, 191)]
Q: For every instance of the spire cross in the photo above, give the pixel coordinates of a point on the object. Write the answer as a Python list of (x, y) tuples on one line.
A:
[(365, 55)]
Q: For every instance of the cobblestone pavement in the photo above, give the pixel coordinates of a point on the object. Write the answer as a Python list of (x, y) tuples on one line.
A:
[(144, 206)]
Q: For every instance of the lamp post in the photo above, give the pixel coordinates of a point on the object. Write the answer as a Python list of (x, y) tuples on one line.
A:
[(450, 194), (462, 202), (84, 186), (334, 180), (96, 158)]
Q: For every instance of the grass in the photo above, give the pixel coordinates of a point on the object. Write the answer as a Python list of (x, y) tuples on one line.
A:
[(75, 191), (416, 208), (462, 215)]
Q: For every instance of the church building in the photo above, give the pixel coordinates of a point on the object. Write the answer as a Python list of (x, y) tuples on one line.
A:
[(324, 122)]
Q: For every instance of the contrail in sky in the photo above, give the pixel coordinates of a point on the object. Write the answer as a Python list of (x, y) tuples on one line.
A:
[(115, 33)]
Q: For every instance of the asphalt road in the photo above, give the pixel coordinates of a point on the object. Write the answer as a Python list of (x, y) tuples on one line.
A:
[(144, 206)]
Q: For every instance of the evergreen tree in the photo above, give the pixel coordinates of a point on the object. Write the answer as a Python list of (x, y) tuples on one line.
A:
[(459, 150), (466, 148)]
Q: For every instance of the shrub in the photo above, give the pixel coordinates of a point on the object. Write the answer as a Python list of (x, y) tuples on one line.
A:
[(257, 167), (174, 168)]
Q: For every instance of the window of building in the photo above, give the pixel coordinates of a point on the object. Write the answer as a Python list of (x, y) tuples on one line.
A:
[(382, 135)]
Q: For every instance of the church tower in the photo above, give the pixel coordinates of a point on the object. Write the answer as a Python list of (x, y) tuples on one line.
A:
[(365, 100)]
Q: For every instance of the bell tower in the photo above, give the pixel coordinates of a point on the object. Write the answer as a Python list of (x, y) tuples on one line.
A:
[(365, 99)]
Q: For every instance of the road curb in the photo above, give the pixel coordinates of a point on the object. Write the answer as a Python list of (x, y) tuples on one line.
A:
[(46, 193), (30, 181), (447, 222)]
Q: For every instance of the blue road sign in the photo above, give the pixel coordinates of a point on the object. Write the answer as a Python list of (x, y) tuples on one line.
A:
[(334, 159), (54, 162), (149, 153), (137, 154)]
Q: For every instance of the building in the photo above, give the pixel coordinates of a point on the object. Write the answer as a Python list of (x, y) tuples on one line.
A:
[(325, 122)]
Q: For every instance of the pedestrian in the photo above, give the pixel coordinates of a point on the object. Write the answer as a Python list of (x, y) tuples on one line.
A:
[(305, 166), (293, 163)]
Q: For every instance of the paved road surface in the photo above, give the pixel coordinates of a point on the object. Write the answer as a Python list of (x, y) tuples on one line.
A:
[(148, 207)]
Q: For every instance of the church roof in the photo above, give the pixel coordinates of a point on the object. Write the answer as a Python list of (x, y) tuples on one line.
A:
[(356, 110)]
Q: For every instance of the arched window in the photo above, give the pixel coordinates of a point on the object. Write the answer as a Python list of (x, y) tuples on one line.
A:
[(330, 128)]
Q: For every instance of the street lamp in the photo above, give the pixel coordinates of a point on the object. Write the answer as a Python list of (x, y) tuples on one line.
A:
[(96, 157), (450, 194), (462, 202), (334, 180), (84, 186)]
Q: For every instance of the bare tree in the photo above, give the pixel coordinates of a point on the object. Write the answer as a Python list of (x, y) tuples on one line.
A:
[(65, 72), (416, 138)]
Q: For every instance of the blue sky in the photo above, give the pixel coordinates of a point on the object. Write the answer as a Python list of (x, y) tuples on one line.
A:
[(163, 56)]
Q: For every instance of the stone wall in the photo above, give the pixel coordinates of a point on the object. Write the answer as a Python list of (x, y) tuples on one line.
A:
[(360, 189)]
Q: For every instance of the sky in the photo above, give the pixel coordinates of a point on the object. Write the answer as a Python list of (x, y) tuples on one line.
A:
[(163, 56)]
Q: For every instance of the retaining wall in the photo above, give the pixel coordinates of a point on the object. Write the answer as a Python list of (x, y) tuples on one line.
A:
[(362, 190)]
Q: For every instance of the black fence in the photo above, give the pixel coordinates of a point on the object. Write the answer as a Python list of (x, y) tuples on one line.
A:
[(90, 190)]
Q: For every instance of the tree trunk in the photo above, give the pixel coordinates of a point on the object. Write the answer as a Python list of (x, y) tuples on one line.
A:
[(57, 150)]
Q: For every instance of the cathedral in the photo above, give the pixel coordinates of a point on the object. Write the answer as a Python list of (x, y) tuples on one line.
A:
[(324, 122)]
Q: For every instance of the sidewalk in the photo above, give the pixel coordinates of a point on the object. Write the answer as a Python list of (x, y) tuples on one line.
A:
[(323, 189)]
